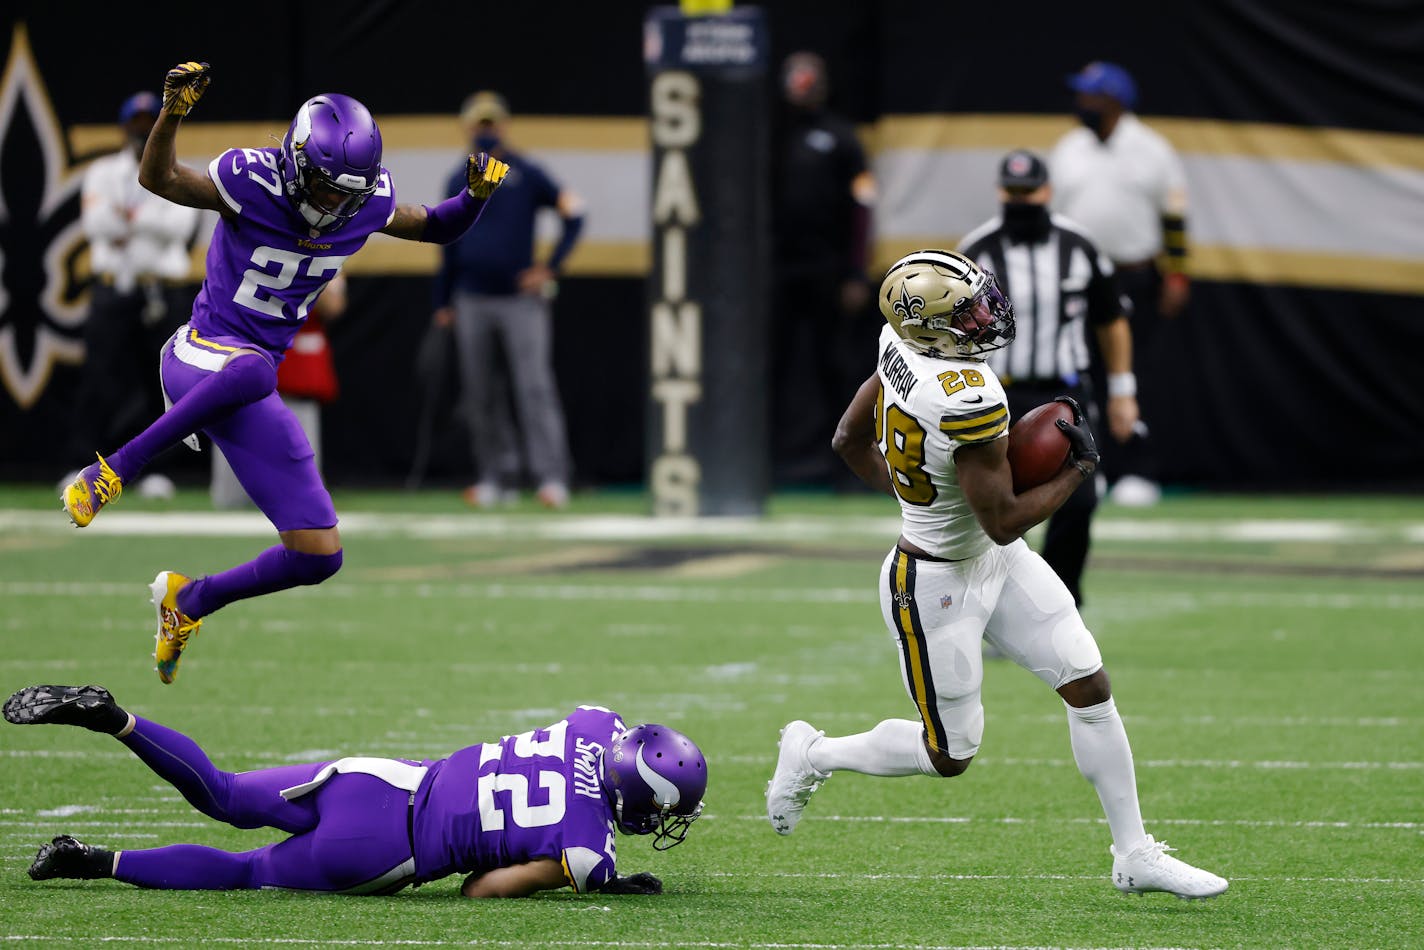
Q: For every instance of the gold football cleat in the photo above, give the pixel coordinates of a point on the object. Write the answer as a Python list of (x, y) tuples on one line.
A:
[(174, 626), (93, 488)]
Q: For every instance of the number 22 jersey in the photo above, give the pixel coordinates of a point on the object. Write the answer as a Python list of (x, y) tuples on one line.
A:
[(266, 265)]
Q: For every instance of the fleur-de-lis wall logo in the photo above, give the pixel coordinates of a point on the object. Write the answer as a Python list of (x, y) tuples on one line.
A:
[(908, 308), (41, 293)]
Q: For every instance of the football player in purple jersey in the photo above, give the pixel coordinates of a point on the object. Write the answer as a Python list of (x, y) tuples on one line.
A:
[(529, 812), (290, 216)]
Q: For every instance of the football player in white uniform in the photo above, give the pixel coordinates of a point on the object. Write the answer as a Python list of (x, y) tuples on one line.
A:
[(929, 428)]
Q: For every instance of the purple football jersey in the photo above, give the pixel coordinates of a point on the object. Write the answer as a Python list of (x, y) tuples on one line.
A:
[(525, 797), (266, 268)]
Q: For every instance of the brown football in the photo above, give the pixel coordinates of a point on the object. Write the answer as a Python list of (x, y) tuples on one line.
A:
[(1038, 450)]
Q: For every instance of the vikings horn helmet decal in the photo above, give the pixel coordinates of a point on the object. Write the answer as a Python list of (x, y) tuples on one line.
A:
[(655, 777)]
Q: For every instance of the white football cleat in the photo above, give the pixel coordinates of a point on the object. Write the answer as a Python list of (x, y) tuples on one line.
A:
[(1149, 867), (794, 780)]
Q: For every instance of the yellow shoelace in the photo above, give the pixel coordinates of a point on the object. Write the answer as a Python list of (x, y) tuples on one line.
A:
[(108, 485)]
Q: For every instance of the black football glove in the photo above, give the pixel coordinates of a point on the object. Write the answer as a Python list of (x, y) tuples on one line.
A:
[(184, 86), (1082, 449), (483, 174), (640, 883)]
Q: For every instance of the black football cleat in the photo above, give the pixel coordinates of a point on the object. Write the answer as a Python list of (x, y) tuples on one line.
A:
[(89, 706), (68, 857)]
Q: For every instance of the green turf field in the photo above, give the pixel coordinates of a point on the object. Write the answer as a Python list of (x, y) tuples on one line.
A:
[(1266, 654)]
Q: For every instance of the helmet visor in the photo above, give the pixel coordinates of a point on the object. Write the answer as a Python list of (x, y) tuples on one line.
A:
[(331, 198)]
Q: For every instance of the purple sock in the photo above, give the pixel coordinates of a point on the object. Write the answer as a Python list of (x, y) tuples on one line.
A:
[(186, 867), (276, 568), (244, 380)]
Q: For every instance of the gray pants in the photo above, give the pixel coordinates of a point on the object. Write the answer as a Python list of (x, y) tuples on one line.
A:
[(521, 327)]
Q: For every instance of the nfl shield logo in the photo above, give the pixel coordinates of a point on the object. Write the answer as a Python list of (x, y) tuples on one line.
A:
[(946, 602)]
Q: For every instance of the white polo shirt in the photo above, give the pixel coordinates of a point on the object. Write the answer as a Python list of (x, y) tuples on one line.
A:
[(1118, 190), (132, 232)]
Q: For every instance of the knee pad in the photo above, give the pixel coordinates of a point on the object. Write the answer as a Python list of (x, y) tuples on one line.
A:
[(312, 568)]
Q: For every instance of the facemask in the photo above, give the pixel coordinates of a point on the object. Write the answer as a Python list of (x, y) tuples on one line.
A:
[(486, 142), (1092, 118), (1026, 223)]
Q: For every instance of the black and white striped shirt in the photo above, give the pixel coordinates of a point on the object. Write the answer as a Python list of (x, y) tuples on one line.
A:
[(1058, 286)]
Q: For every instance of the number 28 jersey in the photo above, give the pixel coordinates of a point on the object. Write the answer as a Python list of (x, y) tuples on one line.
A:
[(526, 797), (266, 266), (928, 408)]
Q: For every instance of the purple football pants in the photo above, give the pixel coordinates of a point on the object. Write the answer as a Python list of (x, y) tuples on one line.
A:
[(351, 831), (262, 440)]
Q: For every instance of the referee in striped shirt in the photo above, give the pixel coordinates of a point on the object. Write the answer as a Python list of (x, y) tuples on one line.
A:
[(1059, 284)]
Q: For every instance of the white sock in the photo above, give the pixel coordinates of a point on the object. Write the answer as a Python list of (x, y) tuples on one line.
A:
[(1104, 757), (895, 747)]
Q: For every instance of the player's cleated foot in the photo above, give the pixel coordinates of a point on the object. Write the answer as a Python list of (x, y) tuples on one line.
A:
[(1149, 867), (94, 487), (794, 781), (174, 626), (89, 706), (70, 858)]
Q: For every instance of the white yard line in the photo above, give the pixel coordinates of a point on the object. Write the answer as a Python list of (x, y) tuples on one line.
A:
[(669, 593), (629, 527)]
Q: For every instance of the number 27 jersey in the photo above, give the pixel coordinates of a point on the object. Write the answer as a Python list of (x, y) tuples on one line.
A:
[(266, 265), (928, 409)]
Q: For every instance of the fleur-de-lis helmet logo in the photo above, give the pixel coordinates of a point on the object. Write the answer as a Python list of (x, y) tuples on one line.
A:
[(908, 308)]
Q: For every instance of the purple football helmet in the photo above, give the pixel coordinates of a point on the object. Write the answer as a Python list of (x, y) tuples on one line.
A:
[(655, 777), (331, 159)]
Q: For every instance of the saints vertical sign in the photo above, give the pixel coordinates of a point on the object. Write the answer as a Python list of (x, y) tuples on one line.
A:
[(707, 452)]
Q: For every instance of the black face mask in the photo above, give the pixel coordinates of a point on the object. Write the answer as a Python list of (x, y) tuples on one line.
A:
[(1092, 118), (1026, 223)]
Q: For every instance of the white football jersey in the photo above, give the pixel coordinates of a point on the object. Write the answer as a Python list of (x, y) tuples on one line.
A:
[(928, 408)]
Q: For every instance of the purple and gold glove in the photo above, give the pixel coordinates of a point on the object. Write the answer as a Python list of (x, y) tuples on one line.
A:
[(184, 86), (483, 174)]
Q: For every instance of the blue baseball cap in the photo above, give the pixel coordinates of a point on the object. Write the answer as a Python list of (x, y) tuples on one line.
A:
[(1108, 79), (139, 102)]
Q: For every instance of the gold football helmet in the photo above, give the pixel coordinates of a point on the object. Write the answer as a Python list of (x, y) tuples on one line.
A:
[(943, 304)]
